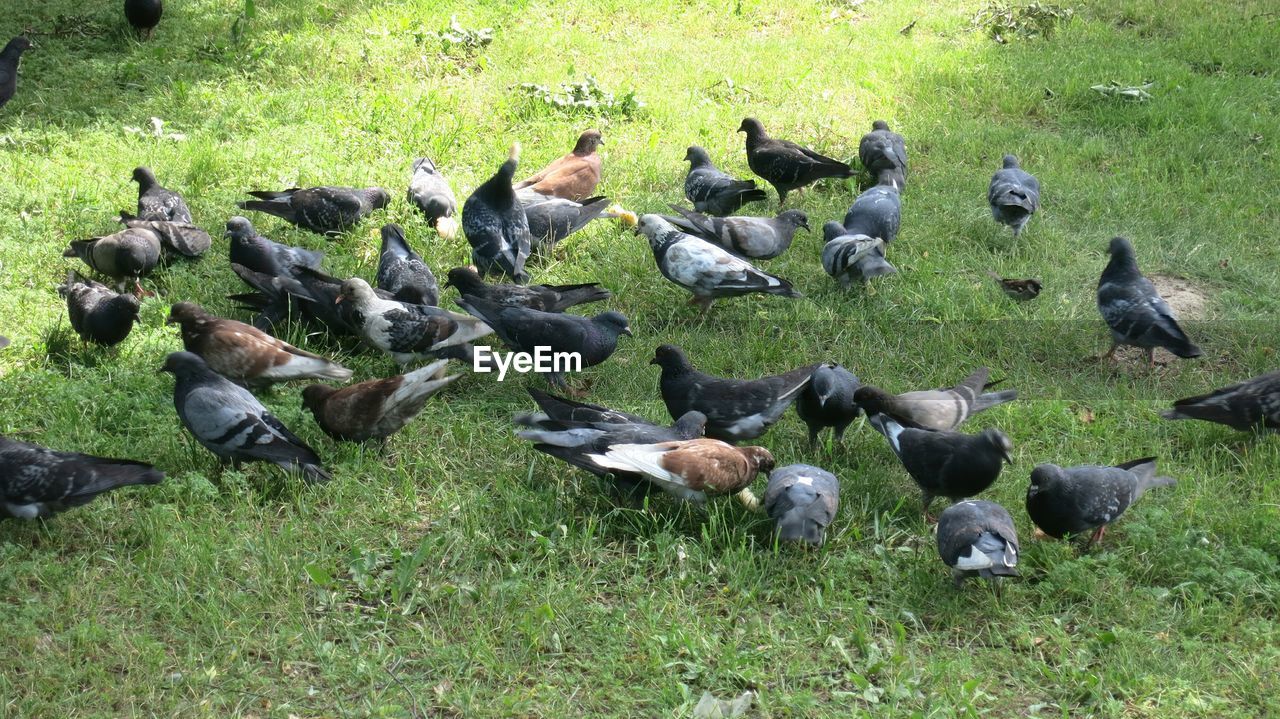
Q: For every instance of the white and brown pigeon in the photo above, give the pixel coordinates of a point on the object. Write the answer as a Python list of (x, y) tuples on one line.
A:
[(375, 409), (692, 469)]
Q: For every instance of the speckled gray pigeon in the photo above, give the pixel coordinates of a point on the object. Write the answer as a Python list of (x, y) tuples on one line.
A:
[(715, 192), (259, 254), (36, 482), (1249, 405), (402, 272), (1014, 195), (429, 191), (1134, 311), (9, 58), (1075, 500), (828, 401), (784, 164), (97, 313), (496, 226), (156, 202), (802, 500), (131, 253), (324, 210), (757, 238), (548, 298), (947, 464), (977, 538), (883, 153)]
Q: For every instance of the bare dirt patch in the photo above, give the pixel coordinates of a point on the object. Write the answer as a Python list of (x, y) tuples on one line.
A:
[(1189, 302)]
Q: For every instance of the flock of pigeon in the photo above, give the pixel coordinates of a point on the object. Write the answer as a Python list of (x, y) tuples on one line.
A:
[(705, 249)]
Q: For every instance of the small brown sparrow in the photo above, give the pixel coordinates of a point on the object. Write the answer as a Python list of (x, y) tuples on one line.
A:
[(1020, 290)]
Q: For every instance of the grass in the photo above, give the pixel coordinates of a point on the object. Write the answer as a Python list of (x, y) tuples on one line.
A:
[(458, 573)]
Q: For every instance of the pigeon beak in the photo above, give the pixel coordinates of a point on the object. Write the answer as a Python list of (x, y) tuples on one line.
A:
[(805, 225), (1007, 459), (627, 331), (653, 361), (339, 299)]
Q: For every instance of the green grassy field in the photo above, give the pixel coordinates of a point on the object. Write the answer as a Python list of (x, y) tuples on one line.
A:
[(457, 572)]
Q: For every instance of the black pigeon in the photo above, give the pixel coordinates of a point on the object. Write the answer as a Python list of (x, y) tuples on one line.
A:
[(784, 164), (430, 192), (9, 58), (98, 314), (274, 299), (143, 15), (1014, 195), (937, 409), (947, 464), (877, 212), (706, 270), (592, 339), (176, 238), (1133, 309), (977, 538), (736, 409), (552, 219), (802, 501), (757, 238), (547, 298), (155, 202), (131, 253), (36, 482), (828, 401), (848, 256), (324, 210), (496, 226), (1075, 500), (1017, 290), (375, 409), (230, 422), (259, 254), (1252, 404), (883, 153), (402, 272), (715, 192), (405, 331)]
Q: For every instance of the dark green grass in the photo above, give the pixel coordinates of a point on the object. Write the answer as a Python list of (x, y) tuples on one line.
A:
[(456, 572)]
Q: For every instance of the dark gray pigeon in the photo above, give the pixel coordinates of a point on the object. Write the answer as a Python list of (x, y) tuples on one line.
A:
[(131, 253), (259, 254), (36, 482), (937, 409), (402, 272), (1014, 195), (706, 270), (176, 238), (736, 409), (757, 238), (977, 538), (230, 422), (592, 339), (883, 152), (715, 192), (430, 192), (1134, 311), (947, 464), (324, 210), (155, 202), (877, 212), (552, 219), (1250, 405), (143, 15), (406, 331), (9, 58), (98, 314), (784, 164), (271, 298), (847, 256), (313, 294), (496, 226), (547, 298), (802, 501), (828, 401), (1075, 500)]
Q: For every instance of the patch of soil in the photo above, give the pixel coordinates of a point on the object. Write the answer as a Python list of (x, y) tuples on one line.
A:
[(1187, 300)]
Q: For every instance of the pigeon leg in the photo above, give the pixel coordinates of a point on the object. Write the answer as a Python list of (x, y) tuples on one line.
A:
[(139, 292), (1096, 536), (957, 577), (782, 196), (1151, 357), (927, 499), (703, 302), (813, 436), (1111, 352)]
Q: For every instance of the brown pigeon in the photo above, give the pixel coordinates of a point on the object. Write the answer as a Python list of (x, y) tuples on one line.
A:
[(693, 469), (375, 409), (574, 176)]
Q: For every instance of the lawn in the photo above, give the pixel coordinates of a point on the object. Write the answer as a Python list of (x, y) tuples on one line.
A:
[(459, 573)]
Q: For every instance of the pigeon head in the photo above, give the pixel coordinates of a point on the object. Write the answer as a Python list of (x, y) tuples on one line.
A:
[(761, 458), (180, 364), (16, 47), (356, 290), (1010, 162), (615, 321), (697, 157), (796, 218), (1120, 247), (588, 142), (378, 197), (879, 125), (144, 177), (240, 228), (871, 399), (423, 164), (832, 230), (692, 424), (1044, 476), (186, 313), (825, 381), (670, 357), (465, 279), (1001, 442), (314, 396), (753, 128), (126, 303), (655, 228)]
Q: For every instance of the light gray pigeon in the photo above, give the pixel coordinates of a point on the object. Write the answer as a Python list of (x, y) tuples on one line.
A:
[(98, 314), (325, 210), (715, 192), (828, 401), (259, 254), (36, 482), (1249, 405), (552, 219), (1075, 500), (131, 253), (977, 538), (847, 256), (883, 152), (496, 226), (157, 203), (802, 501), (402, 272), (407, 332), (1135, 312), (232, 424), (937, 409), (429, 191), (1014, 195), (181, 238), (758, 238), (947, 464)]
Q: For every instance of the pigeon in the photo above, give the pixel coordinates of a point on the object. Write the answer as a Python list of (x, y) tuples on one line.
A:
[(827, 401), (786, 165), (316, 297), (948, 464), (938, 409), (143, 15), (883, 152), (1074, 500), (375, 409), (402, 272), (1252, 404), (692, 469), (1018, 290), (36, 482), (323, 210), (496, 226), (1134, 311), (180, 238), (429, 192), (736, 409), (846, 256), (591, 340), (130, 253), (552, 219), (714, 192), (4, 342), (877, 212), (259, 254), (231, 423), (243, 353), (155, 202), (404, 331), (274, 299), (756, 238), (572, 177), (9, 58), (546, 298), (98, 314), (704, 269), (1014, 195), (976, 538), (802, 501)]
